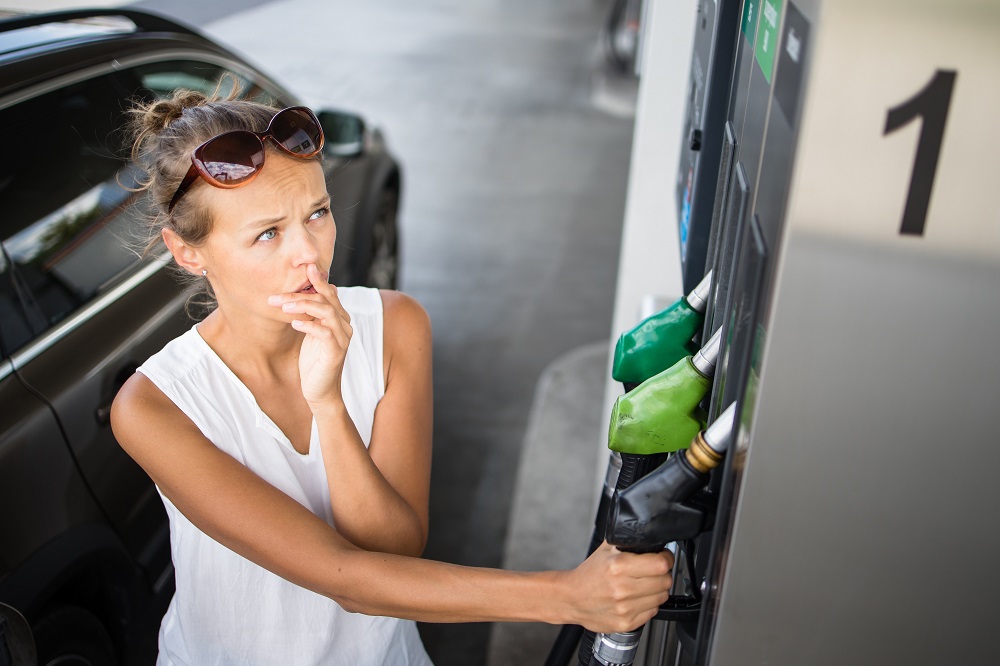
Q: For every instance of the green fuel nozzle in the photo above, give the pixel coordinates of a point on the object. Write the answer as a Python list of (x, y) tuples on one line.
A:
[(660, 340), (662, 415)]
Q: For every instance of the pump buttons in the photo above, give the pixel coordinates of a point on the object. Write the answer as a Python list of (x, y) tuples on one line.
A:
[(695, 139)]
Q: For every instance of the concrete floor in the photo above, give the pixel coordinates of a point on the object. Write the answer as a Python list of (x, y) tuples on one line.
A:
[(511, 219), (555, 496)]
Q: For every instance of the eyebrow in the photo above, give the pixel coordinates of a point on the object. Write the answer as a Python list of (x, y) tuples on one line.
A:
[(256, 224)]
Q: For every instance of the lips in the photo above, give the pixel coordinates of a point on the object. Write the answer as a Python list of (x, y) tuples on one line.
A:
[(307, 288)]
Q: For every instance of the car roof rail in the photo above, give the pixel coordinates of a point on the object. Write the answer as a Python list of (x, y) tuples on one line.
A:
[(144, 21)]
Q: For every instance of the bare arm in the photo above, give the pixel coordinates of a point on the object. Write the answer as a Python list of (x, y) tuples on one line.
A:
[(611, 591), (380, 494)]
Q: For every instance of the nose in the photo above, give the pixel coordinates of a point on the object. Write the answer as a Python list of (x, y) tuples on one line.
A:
[(303, 247)]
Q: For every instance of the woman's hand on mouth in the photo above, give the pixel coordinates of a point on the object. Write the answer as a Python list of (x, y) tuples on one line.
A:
[(327, 337)]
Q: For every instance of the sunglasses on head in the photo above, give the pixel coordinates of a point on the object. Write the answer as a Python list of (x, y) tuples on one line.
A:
[(233, 159)]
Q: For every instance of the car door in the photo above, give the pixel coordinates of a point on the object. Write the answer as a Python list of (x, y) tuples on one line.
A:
[(41, 491), (99, 309)]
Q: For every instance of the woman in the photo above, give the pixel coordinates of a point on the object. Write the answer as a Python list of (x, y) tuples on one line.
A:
[(289, 433)]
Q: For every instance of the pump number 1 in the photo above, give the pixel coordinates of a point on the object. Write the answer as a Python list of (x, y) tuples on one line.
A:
[(931, 104)]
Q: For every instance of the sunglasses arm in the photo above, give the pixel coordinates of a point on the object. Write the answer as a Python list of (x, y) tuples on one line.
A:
[(189, 178)]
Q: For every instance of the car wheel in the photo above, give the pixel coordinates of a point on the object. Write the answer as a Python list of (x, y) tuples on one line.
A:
[(72, 636), (383, 258)]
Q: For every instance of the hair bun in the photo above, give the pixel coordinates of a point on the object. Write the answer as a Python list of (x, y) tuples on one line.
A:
[(160, 114)]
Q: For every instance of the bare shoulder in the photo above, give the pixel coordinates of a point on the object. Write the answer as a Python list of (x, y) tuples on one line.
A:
[(403, 310), (406, 329), (140, 408), (404, 317)]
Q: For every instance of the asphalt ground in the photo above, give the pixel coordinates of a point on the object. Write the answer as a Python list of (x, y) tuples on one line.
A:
[(511, 213)]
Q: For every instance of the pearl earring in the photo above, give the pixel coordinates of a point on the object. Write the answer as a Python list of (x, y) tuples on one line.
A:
[(204, 272)]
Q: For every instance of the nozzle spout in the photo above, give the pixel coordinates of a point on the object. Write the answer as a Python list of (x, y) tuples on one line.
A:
[(719, 434), (698, 297), (706, 358)]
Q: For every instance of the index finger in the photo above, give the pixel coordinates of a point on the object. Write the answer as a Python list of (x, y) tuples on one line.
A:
[(324, 288), (648, 564)]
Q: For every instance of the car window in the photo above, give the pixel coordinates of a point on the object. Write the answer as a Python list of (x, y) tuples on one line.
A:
[(62, 205), (15, 325), (69, 212)]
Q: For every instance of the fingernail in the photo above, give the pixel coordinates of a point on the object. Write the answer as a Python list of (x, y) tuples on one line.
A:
[(274, 300), (288, 306)]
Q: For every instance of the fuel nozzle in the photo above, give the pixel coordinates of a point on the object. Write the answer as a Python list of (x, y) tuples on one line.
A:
[(655, 510), (658, 509), (662, 339), (662, 414)]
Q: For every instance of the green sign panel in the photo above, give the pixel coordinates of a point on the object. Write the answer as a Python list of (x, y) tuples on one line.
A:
[(749, 24), (767, 36)]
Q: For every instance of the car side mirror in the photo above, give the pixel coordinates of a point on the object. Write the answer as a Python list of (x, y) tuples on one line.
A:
[(344, 133)]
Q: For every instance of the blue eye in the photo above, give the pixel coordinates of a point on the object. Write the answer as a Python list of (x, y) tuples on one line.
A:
[(322, 212), (269, 234)]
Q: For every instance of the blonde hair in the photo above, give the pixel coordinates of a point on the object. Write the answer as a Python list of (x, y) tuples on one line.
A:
[(165, 132)]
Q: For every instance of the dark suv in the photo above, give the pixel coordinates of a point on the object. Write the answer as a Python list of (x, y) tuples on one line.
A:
[(84, 547)]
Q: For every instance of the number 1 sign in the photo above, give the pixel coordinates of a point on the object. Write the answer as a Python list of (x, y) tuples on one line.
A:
[(897, 138)]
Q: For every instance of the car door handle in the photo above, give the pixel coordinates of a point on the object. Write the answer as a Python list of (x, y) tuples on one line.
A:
[(103, 414)]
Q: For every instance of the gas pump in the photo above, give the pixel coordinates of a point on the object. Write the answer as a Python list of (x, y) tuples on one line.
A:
[(856, 158)]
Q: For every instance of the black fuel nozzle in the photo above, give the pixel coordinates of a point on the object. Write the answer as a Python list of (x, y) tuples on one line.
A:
[(666, 505), (662, 507)]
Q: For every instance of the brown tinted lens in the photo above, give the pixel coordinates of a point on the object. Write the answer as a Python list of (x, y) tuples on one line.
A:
[(233, 157), (297, 131)]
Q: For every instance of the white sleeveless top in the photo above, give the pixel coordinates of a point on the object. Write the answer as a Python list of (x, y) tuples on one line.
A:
[(226, 609)]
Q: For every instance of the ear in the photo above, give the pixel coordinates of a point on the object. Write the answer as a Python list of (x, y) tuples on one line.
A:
[(187, 256)]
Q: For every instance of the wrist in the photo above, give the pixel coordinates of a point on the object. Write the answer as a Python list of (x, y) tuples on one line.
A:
[(559, 591), (331, 408)]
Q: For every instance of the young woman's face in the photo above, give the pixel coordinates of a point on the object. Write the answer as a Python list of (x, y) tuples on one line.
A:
[(265, 234)]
